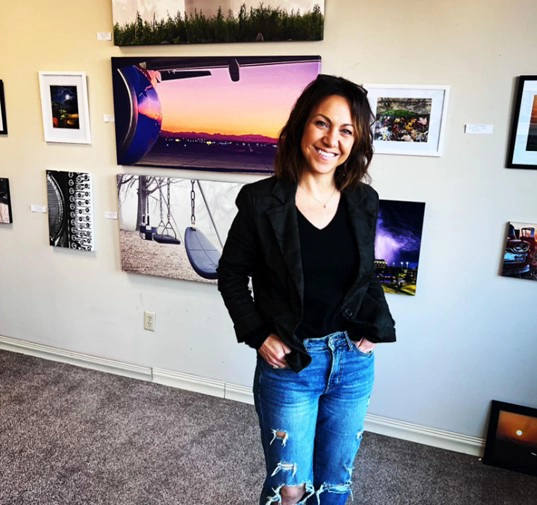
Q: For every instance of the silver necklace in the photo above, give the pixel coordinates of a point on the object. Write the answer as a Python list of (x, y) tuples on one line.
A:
[(324, 204)]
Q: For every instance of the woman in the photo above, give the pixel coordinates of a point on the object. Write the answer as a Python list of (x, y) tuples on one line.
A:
[(306, 239)]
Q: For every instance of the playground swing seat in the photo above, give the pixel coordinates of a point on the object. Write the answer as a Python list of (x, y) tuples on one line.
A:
[(165, 233), (201, 253)]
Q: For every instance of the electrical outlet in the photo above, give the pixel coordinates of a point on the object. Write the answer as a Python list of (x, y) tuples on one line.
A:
[(150, 320)]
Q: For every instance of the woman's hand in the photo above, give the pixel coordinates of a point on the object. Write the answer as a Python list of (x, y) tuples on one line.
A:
[(365, 346), (273, 351)]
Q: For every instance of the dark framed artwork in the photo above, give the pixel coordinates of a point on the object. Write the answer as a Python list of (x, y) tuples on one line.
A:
[(158, 22), (512, 438), (70, 210), (3, 117), (205, 113), (6, 214), (523, 139), (398, 244), (520, 254)]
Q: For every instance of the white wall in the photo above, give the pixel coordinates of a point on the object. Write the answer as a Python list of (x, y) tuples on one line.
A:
[(469, 335)]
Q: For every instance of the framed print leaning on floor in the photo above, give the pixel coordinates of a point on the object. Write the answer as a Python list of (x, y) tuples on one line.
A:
[(3, 119), (523, 138), (408, 119), (64, 104), (512, 437)]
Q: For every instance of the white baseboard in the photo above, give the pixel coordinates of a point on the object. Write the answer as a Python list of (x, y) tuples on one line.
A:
[(189, 382), (424, 435), (375, 424), (75, 358)]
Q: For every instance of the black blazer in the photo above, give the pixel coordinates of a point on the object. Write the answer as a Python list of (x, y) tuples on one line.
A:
[(263, 243)]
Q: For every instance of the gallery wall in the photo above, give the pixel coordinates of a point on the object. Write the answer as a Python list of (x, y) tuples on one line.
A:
[(467, 337)]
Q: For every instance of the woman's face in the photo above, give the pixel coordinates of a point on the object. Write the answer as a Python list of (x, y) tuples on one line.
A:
[(328, 135)]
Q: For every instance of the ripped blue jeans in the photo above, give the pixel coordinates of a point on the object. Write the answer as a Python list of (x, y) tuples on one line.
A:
[(312, 421)]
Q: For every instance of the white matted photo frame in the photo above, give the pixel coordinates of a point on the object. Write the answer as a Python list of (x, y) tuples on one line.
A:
[(523, 137), (64, 103), (409, 119), (3, 118)]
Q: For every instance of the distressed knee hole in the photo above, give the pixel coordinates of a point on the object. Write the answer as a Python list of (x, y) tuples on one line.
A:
[(336, 489), (359, 435), (280, 435), (301, 492), (284, 467)]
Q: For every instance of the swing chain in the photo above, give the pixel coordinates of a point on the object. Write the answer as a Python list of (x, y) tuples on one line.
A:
[(169, 201), (160, 202), (193, 204)]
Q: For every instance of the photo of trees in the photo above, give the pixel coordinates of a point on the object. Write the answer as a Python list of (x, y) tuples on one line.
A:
[(152, 22)]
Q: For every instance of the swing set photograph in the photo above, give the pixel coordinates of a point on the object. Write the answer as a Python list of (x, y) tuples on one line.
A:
[(172, 227)]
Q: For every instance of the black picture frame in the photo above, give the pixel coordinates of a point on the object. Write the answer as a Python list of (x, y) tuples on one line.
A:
[(3, 117), (522, 151), (512, 438)]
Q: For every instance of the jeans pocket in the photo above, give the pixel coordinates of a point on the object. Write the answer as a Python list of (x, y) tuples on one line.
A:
[(354, 346)]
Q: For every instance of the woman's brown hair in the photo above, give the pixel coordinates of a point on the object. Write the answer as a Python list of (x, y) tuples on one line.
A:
[(289, 158)]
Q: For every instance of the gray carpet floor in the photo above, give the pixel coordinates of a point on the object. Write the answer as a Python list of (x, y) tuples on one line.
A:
[(71, 436)]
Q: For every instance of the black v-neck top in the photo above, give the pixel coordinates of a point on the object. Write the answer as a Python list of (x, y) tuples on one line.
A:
[(330, 262)]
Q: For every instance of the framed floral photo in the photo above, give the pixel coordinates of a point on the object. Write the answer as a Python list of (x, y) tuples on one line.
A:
[(523, 138), (408, 119), (64, 103), (3, 119)]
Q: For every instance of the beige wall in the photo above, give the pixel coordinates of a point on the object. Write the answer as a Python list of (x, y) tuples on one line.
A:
[(466, 338)]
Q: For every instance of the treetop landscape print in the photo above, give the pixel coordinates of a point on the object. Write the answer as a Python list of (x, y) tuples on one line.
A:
[(156, 22)]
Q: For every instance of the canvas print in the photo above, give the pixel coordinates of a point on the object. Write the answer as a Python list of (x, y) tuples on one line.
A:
[(397, 245), (6, 215), (70, 210), (173, 227), (157, 22), (205, 113), (520, 255), (512, 438)]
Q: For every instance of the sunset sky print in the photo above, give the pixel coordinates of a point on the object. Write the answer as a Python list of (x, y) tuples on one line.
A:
[(257, 104)]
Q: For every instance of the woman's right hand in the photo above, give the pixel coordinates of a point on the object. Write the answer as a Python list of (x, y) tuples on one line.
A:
[(273, 351)]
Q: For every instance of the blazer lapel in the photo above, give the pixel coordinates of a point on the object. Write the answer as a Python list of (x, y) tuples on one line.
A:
[(283, 219)]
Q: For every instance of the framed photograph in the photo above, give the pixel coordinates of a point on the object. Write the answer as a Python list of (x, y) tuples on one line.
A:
[(64, 103), (408, 119), (205, 113), (158, 22), (523, 138), (512, 438), (6, 214), (3, 118), (520, 254)]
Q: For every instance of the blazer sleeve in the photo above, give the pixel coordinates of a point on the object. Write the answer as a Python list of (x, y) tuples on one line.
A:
[(237, 263), (374, 320)]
